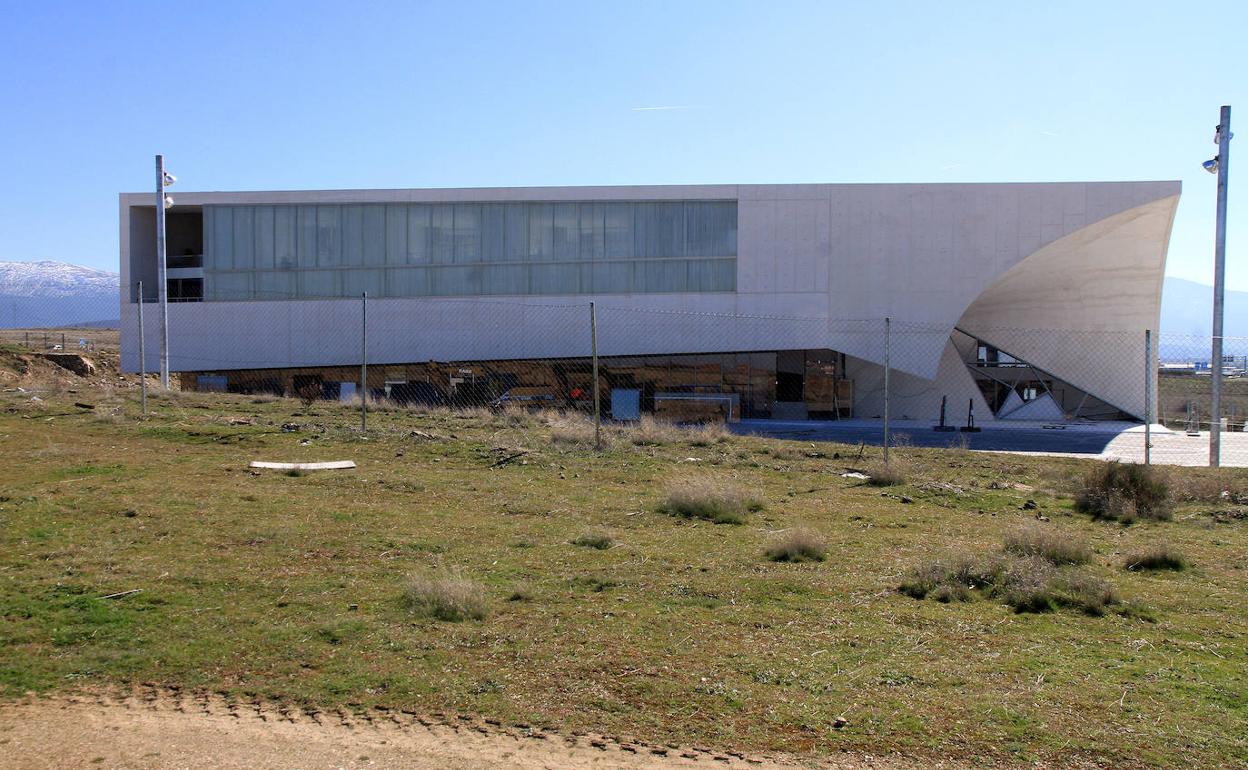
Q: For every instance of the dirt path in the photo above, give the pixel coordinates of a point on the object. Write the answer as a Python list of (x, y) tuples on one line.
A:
[(161, 730)]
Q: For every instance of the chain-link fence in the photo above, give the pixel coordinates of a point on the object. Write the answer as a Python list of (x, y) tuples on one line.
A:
[(1135, 396), (61, 322), (59, 339)]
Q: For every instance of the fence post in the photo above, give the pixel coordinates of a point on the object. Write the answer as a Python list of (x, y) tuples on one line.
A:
[(63, 342), (593, 349), (1149, 369), (364, 362), (887, 366), (142, 357)]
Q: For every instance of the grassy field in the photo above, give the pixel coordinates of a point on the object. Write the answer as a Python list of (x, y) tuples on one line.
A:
[(1176, 391), (677, 629)]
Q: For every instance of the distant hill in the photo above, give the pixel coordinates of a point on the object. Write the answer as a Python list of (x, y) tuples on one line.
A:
[(47, 293), (1187, 309), (1187, 321)]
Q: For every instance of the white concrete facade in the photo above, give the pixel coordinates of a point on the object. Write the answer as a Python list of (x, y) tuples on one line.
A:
[(1037, 270)]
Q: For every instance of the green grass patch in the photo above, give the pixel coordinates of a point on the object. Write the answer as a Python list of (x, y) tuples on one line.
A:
[(297, 588)]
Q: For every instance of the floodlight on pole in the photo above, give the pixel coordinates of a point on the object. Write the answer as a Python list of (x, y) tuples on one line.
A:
[(163, 202), (1219, 165)]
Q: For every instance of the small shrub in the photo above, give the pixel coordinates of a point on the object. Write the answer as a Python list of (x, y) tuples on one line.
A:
[(1021, 583), (1050, 544), (337, 633), (449, 597), (947, 593), (1124, 492), (595, 583), (716, 500), (798, 545), (952, 575), (923, 579), (1025, 583), (1157, 557), (1081, 591), (521, 592), (1137, 611), (595, 539), (881, 475)]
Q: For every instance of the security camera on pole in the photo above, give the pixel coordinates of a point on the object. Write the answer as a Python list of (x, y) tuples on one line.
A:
[(1219, 165), (163, 180)]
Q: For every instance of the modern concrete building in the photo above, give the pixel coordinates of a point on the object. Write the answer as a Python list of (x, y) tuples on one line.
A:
[(1022, 300)]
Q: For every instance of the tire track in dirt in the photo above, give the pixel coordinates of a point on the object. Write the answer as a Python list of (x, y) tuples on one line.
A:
[(155, 728)]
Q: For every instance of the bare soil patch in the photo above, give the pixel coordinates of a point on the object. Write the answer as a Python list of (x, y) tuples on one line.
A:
[(159, 729)]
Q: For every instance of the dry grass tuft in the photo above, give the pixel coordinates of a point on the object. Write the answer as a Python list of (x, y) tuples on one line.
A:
[(705, 497), (450, 597), (378, 405), (651, 432), (784, 452), (1156, 557), (596, 539), (518, 417), (891, 475), (798, 545), (1206, 485), (572, 430), (954, 575), (1071, 588), (1124, 492), (709, 434), (1050, 544), (1028, 583)]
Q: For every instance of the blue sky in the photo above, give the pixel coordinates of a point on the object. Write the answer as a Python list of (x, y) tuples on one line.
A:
[(288, 95)]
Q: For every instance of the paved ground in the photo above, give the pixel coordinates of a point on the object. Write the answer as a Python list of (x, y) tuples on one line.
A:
[(1107, 441), (164, 730)]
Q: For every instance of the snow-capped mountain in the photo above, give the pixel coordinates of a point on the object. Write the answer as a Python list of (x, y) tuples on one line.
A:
[(54, 279), (47, 293)]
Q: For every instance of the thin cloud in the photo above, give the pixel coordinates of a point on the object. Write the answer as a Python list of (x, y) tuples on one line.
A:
[(666, 107)]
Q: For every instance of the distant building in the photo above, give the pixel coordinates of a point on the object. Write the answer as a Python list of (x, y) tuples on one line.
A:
[(1026, 301)]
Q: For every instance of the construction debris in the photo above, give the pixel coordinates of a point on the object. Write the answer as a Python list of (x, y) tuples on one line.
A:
[(120, 594), (325, 466), (509, 458)]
